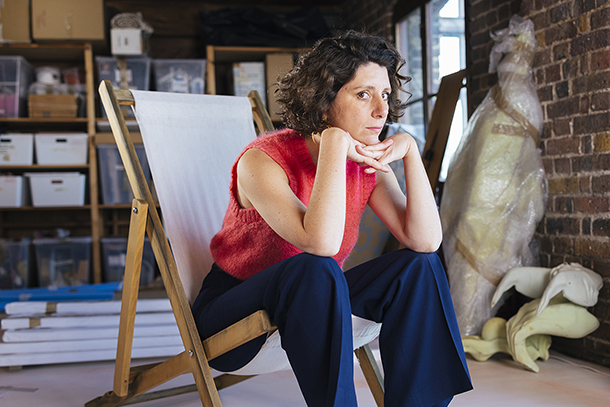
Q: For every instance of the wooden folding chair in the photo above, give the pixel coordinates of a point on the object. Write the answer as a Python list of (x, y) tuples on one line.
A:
[(134, 383)]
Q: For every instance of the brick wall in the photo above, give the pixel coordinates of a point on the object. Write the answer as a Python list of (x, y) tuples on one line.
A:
[(572, 74), (372, 16)]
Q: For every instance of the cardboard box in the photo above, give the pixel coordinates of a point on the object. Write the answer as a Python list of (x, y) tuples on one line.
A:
[(53, 106), (61, 148), (57, 188), (16, 149), (68, 20), (15, 21), (277, 65)]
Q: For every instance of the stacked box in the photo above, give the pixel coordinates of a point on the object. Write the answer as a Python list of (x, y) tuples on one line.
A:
[(61, 148), (16, 75), (63, 262), (16, 149), (14, 264), (14, 191), (57, 188), (137, 73), (115, 185), (179, 75), (114, 252)]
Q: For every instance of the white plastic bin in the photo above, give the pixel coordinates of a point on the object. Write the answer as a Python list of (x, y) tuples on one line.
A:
[(61, 148), (16, 149), (114, 252), (16, 75), (14, 264), (115, 185), (57, 188), (13, 191), (179, 75), (63, 262)]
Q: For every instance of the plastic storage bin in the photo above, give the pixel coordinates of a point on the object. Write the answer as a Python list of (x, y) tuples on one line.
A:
[(57, 188), (179, 75), (63, 262), (14, 264), (16, 149), (16, 75), (13, 191), (114, 252), (61, 148), (137, 71), (115, 185)]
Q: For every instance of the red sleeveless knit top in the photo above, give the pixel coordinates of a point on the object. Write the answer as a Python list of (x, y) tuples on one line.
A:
[(246, 244)]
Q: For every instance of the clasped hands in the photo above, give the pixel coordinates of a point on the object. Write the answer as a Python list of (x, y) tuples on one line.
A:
[(378, 156)]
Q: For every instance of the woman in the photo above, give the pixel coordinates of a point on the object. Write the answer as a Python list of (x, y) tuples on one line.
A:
[(296, 200)]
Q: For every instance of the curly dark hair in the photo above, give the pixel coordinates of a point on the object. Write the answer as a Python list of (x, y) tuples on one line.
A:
[(306, 93)]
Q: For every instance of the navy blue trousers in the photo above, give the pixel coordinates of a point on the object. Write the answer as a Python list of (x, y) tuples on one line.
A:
[(311, 301)]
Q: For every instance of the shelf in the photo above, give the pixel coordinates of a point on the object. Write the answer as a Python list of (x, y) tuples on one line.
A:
[(47, 208), (44, 167), (47, 52), (79, 120)]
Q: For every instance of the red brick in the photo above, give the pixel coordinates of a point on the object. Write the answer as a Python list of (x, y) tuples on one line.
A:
[(562, 226), (564, 205), (600, 101), (564, 145), (562, 166), (563, 245), (562, 127), (592, 248), (563, 108), (600, 18), (589, 42), (561, 32), (601, 162), (600, 60), (553, 73), (600, 184), (591, 204), (591, 123), (601, 227), (564, 186)]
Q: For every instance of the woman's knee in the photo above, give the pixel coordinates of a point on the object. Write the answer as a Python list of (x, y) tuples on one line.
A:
[(306, 269)]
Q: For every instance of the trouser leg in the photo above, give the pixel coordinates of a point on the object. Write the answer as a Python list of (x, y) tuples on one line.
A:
[(420, 343), (308, 299)]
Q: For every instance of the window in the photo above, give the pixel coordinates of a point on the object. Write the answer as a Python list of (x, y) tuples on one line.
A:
[(431, 39)]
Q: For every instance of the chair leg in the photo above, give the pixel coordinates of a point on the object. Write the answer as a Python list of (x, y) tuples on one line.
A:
[(371, 371)]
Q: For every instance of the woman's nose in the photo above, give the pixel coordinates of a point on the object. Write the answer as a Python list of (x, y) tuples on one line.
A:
[(380, 109)]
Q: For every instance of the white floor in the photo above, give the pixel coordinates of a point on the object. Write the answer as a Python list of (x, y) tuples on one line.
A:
[(499, 382)]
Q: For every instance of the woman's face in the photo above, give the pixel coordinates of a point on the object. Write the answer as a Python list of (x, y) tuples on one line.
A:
[(361, 106)]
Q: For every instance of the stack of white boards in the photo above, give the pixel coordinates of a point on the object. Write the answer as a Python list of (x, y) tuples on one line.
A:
[(41, 332)]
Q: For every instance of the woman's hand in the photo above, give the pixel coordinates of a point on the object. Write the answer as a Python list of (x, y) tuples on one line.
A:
[(391, 149), (363, 155)]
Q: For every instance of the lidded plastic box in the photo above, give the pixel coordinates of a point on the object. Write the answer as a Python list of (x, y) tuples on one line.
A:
[(16, 75), (14, 264), (63, 262), (114, 252), (115, 185), (179, 75)]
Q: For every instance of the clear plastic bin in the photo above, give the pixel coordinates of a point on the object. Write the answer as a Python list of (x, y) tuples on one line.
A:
[(14, 264), (138, 76), (114, 252), (63, 262), (16, 75), (115, 185), (179, 75)]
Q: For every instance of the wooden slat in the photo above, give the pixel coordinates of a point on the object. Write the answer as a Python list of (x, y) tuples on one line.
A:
[(129, 300), (372, 374), (239, 333)]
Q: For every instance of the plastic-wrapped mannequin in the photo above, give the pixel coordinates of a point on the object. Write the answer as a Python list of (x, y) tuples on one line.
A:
[(495, 192)]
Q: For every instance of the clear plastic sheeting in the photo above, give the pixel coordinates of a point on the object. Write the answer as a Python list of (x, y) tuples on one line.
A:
[(495, 192)]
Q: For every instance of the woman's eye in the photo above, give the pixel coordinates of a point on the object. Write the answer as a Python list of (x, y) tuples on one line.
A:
[(362, 95), (386, 96)]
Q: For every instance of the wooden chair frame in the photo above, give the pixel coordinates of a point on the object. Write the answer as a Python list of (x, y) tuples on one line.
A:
[(132, 383)]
